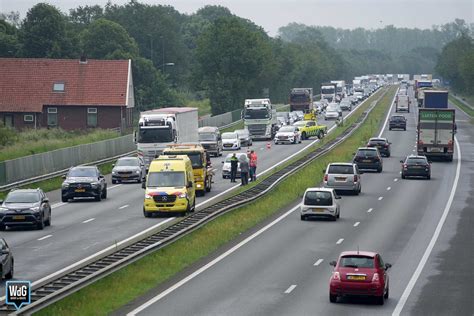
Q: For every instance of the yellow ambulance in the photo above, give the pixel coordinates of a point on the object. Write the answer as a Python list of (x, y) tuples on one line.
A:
[(170, 186)]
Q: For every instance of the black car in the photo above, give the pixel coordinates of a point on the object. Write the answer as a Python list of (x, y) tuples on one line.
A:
[(397, 121), (25, 207), (416, 166), (382, 144), (6, 261), (84, 181), (368, 158), (128, 169)]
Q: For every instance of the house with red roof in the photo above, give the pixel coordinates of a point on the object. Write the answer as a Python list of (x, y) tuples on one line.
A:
[(66, 93)]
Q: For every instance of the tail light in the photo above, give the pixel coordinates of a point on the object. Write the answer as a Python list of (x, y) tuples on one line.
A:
[(325, 178), (336, 276), (450, 145), (386, 145), (420, 142), (356, 178), (405, 166), (376, 277)]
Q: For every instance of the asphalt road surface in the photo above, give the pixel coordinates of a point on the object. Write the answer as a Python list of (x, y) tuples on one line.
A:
[(84, 227), (282, 268)]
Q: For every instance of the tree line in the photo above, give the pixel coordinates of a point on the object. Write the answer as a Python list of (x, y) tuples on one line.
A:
[(211, 54)]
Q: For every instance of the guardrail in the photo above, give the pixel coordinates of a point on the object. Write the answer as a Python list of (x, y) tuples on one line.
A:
[(49, 290)]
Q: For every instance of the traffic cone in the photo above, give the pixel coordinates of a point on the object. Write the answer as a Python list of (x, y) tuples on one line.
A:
[(269, 145)]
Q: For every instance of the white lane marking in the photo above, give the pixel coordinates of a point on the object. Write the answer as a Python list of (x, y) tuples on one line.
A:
[(434, 238), (370, 210), (45, 237), (356, 224), (210, 264), (57, 205), (388, 114), (389, 188), (317, 263), (395, 180), (88, 220), (380, 198), (291, 288), (123, 206), (339, 241), (114, 186)]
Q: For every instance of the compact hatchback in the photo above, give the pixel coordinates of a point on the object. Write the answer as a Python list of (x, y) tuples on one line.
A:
[(231, 141), (416, 166), (397, 122), (382, 144), (368, 158), (359, 273), (320, 202), (6, 261), (25, 207), (343, 176), (227, 165), (244, 136), (128, 169)]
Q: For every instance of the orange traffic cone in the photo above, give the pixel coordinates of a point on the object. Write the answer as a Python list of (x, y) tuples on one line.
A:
[(269, 145)]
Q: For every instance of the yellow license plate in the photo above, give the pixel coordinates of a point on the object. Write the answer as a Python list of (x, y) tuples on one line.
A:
[(16, 217), (318, 210), (366, 160), (80, 190), (356, 277)]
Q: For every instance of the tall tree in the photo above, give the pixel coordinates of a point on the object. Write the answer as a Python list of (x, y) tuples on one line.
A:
[(9, 45)]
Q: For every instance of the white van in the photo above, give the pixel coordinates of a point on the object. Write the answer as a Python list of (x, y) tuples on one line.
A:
[(402, 103)]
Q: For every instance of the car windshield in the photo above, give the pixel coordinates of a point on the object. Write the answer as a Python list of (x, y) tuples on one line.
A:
[(366, 153), (22, 197), (416, 161), (397, 118), (377, 141), (256, 113), (299, 97), (327, 90), (155, 135), (128, 162), (357, 262), (300, 123), (331, 107), (243, 133), (340, 169), (166, 179), (318, 198), (229, 136), (82, 172), (207, 137), (287, 129)]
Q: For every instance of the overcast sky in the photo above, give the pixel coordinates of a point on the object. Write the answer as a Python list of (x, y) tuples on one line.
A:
[(272, 14)]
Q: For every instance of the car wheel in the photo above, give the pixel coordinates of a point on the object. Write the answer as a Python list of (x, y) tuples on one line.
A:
[(98, 198), (104, 193), (139, 180), (428, 177), (303, 135), (2, 227), (405, 129), (48, 221), (379, 169), (403, 176), (303, 218), (40, 224), (386, 293), (146, 214), (380, 300), (192, 209), (332, 298), (334, 218), (10, 273), (388, 154), (389, 128), (338, 214), (209, 186), (114, 181)]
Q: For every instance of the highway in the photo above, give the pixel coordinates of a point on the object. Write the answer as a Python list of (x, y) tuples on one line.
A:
[(281, 267), (83, 228)]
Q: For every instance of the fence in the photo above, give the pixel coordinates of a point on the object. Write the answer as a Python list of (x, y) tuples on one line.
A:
[(221, 119), (45, 163)]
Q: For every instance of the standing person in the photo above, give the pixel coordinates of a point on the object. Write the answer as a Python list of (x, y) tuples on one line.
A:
[(244, 169), (250, 166), (253, 165), (234, 163)]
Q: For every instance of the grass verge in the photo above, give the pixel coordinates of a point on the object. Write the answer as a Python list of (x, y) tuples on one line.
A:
[(137, 278), (232, 128), (469, 111)]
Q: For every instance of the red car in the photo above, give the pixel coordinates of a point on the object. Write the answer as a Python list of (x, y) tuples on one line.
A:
[(359, 273)]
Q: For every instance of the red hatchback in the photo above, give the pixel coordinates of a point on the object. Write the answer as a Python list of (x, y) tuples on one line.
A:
[(359, 273)]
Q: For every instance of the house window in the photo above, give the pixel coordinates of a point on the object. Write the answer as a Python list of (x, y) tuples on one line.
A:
[(28, 118), (92, 117), (52, 117), (58, 87)]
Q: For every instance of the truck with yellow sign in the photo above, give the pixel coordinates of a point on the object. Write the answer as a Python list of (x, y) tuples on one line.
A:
[(169, 186), (202, 170)]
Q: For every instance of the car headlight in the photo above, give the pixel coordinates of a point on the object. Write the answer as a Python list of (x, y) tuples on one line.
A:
[(35, 209), (114, 172), (2, 209), (65, 185), (183, 195), (137, 171), (95, 184), (148, 196)]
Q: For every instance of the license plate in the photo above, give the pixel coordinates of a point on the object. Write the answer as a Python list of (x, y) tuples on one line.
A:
[(435, 150), (356, 277), (340, 179), (17, 217), (366, 160), (417, 167), (80, 190), (318, 210), (125, 175)]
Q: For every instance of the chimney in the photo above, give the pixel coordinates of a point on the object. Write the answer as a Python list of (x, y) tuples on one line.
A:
[(83, 59)]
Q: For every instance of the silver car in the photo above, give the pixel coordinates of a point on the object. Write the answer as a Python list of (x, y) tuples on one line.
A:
[(244, 136), (226, 165), (320, 202), (128, 169), (343, 176)]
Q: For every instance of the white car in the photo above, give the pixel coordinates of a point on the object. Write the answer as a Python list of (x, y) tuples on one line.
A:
[(320, 202), (226, 165), (230, 141), (288, 134), (333, 111)]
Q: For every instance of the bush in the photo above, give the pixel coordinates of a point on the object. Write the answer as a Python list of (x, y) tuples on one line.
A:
[(7, 136)]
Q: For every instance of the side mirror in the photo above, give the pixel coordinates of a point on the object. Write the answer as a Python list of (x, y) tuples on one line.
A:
[(63, 176), (338, 197), (190, 184), (401, 161), (387, 266), (332, 263), (101, 176), (1, 201), (113, 165), (222, 161), (46, 200)]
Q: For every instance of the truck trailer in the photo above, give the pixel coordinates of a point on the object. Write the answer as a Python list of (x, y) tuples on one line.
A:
[(436, 129), (435, 99)]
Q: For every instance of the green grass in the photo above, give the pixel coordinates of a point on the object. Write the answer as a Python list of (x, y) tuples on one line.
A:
[(55, 183), (19, 144), (239, 125), (139, 277), (469, 111)]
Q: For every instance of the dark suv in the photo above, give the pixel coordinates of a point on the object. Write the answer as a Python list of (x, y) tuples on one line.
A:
[(6, 261), (84, 181), (368, 158), (397, 121), (25, 207), (416, 166), (382, 144)]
